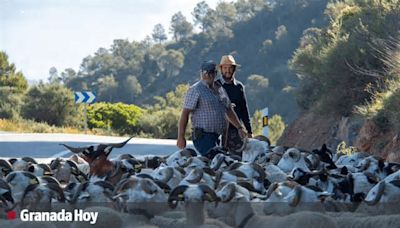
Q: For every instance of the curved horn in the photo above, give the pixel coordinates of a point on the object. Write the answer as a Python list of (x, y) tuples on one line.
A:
[(263, 138), (49, 179), (147, 186), (57, 189), (272, 188), (34, 179), (176, 195), (29, 159), (10, 177), (188, 152), (218, 177), (297, 196), (163, 186), (209, 171), (6, 164), (235, 165), (145, 176), (28, 189), (181, 170), (247, 186), (237, 173), (381, 189), (77, 150), (261, 173), (198, 172), (72, 164), (209, 194), (120, 186), (46, 168), (231, 188), (115, 145), (105, 185), (220, 159)]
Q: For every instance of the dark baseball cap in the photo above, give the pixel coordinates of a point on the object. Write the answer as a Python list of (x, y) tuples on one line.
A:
[(209, 66)]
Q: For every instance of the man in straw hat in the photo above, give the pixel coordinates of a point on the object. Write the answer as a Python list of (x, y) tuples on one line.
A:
[(210, 107), (235, 91)]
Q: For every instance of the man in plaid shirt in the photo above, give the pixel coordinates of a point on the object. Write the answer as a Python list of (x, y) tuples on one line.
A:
[(210, 105)]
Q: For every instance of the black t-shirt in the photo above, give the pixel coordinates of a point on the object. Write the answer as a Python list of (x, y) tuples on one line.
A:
[(237, 96)]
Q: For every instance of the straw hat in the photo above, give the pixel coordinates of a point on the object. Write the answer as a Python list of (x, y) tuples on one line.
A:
[(228, 60)]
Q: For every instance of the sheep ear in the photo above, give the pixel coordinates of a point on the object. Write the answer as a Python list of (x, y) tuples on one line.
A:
[(297, 196)]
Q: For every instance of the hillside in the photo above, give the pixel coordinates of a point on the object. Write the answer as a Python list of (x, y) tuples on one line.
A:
[(261, 36), (349, 89)]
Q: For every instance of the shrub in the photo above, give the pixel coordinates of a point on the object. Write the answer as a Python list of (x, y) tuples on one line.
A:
[(50, 103), (120, 117)]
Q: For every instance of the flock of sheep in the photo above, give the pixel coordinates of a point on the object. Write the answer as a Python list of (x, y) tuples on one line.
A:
[(266, 186)]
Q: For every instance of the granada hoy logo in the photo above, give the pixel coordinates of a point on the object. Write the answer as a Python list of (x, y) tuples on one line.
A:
[(61, 216)]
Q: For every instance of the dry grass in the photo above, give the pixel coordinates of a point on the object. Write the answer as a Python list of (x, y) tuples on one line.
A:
[(30, 126)]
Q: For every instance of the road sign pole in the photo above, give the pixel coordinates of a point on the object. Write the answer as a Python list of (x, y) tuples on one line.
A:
[(85, 117), (265, 122), (86, 97)]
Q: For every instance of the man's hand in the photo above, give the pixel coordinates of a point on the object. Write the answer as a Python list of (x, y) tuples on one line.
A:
[(181, 142), (242, 132)]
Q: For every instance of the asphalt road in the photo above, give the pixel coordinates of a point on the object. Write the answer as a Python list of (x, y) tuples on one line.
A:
[(47, 145)]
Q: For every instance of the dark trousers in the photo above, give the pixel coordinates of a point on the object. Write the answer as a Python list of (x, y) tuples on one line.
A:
[(206, 142)]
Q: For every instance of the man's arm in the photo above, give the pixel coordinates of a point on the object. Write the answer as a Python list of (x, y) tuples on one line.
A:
[(232, 117), (245, 114), (181, 141)]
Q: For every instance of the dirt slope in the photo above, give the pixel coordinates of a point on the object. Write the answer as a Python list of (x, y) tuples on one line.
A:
[(310, 131)]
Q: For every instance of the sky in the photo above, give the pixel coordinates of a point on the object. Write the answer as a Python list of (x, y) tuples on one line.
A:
[(40, 34)]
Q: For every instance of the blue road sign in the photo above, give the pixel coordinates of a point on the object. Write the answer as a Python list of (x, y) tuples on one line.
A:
[(85, 97)]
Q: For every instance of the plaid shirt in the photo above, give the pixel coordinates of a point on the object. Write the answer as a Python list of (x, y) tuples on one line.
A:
[(208, 107)]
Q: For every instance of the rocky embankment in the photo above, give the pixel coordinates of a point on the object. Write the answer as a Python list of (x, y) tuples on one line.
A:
[(310, 131)]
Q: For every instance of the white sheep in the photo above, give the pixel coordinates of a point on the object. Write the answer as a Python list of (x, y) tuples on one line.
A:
[(291, 159), (253, 149), (241, 214)]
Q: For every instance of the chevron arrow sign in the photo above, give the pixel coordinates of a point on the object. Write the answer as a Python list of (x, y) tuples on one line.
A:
[(85, 97)]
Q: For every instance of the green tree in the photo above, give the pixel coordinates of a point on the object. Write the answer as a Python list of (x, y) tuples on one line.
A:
[(10, 102), (180, 27), (53, 76), (9, 76), (171, 62), (256, 122), (132, 85), (199, 14), (161, 120), (158, 34), (50, 103), (107, 88), (334, 64), (276, 126)]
